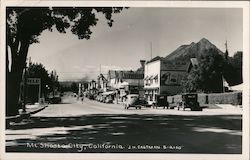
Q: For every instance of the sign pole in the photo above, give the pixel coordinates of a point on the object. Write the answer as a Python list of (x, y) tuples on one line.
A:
[(24, 90), (39, 92)]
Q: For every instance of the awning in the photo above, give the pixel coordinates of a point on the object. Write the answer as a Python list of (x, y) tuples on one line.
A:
[(146, 78), (156, 76), (151, 77), (108, 93)]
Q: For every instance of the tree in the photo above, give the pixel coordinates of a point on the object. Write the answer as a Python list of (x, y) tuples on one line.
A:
[(37, 70), (25, 24), (233, 69), (74, 87), (207, 76), (237, 63)]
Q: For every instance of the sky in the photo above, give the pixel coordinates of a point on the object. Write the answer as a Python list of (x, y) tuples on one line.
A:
[(129, 40)]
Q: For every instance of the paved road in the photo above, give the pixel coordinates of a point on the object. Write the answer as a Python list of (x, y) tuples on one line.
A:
[(72, 107), (91, 126)]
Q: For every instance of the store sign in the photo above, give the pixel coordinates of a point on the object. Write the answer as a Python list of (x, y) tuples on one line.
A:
[(174, 66), (33, 81), (171, 78)]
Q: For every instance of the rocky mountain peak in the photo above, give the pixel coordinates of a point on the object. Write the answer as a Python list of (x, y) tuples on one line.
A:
[(204, 40), (185, 52)]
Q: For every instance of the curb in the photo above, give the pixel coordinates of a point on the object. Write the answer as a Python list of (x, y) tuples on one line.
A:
[(22, 116)]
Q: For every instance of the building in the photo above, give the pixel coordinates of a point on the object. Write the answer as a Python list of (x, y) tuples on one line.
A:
[(165, 77), (102, 83), (127, 82), (92, 87)]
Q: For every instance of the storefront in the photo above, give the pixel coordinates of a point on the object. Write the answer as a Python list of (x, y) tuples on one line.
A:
[(164, 77), (150, 95)]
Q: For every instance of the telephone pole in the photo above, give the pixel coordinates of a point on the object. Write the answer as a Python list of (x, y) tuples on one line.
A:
[(151, 50)]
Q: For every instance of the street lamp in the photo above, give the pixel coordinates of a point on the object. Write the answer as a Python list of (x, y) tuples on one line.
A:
[(47, 87)]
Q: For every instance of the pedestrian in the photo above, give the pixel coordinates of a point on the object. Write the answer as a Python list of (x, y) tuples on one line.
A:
[(82, 99)]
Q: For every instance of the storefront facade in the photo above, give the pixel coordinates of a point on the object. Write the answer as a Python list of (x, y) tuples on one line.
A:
[(164, 77)]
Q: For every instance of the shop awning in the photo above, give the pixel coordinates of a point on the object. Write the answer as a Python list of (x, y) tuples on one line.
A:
[(156, 76), (151, 77), (108, 93)]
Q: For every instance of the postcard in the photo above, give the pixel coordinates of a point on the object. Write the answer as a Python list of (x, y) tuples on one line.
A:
[(125, 80)]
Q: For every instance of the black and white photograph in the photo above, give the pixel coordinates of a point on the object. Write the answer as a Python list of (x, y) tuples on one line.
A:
[(125, 78)]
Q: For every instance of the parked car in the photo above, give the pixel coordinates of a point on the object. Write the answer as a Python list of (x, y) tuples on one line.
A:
[(132, 100), (189, 100), (54, 100), (98, 98), (91, 97), (108, 99), (161, 101), (61, 94)]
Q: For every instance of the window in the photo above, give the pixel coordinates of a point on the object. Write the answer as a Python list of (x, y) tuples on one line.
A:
[(151, 97), (156, 80)]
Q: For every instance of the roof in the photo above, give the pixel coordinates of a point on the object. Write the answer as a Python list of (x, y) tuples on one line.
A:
[(154, 59)]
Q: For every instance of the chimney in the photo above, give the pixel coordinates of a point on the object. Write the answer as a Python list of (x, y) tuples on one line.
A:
[(142, 64)]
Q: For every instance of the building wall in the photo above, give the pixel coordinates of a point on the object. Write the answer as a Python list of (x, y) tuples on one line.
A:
[(171, 90), (171, 82), (169, 78), (134, 82), (112, 83), (152, 80), (152, 69)]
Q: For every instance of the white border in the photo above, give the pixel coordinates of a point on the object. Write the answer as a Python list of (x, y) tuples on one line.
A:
[(170, 4)]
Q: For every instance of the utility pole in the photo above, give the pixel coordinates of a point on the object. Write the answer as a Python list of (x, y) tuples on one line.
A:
[(100, 69), (151, 50)]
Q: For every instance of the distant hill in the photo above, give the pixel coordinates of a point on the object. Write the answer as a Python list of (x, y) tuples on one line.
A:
[(66, 83), (185, 52)]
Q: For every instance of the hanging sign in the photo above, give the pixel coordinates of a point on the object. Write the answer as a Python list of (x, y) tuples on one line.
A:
[(33, 81)]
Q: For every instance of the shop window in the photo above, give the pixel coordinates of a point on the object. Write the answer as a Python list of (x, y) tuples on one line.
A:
[(156, 80), (151, 81), (154, 97), (151, 97)]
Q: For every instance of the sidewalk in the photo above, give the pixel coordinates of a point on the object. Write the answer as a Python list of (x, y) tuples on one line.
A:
[(30, 109)]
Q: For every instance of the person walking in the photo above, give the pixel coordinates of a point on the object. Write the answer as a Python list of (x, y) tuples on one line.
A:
[(82, 98)]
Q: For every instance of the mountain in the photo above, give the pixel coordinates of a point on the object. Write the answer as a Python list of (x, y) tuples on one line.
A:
[(192, 50)]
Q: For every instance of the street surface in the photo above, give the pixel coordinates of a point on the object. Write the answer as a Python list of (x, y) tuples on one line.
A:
[(91, 126)]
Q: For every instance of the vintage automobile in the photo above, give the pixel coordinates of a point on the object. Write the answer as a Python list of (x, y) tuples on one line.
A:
[(189, 100), (133, 100), (55, 99), (91, 97), (161, 101), (108, 99)]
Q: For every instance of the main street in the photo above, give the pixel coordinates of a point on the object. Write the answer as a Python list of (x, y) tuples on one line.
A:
[(91, 126)]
